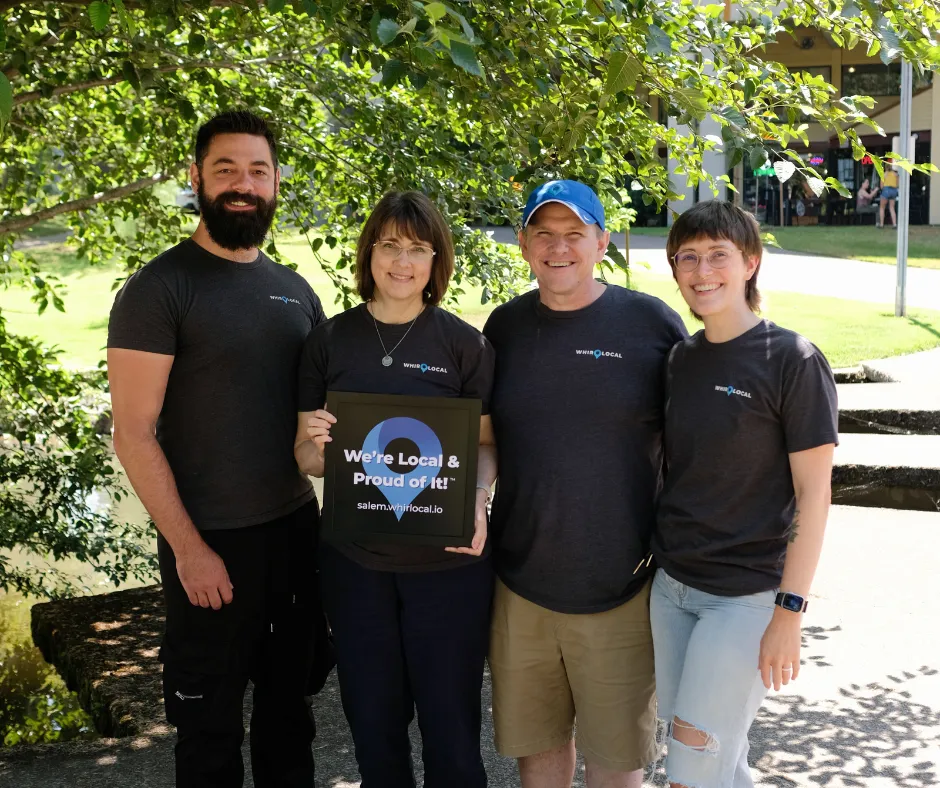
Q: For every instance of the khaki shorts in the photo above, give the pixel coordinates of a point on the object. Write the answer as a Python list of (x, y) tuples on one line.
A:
[(549, 667)]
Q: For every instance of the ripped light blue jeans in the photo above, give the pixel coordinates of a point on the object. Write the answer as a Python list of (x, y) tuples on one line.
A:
[(706, 651)]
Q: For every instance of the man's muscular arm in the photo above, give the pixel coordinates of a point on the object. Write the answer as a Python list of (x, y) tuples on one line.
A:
[(138, 384)]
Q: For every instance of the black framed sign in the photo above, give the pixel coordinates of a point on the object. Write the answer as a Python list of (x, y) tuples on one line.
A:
[(401, 469)]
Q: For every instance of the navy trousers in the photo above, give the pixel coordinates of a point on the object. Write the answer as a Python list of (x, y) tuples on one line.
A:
[(407, 640)]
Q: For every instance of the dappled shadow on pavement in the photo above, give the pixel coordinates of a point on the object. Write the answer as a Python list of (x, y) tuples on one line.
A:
[(873, 735)]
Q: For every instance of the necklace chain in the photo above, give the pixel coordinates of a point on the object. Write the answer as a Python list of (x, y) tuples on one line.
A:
[(387, 358)]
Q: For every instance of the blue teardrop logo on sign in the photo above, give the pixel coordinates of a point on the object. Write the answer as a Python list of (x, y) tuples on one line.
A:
[(424, 367), (597, 354), (383, 433), (730, 390)]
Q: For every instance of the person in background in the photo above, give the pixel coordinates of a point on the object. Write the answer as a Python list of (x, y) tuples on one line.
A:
[(889, 195), (864, 197)]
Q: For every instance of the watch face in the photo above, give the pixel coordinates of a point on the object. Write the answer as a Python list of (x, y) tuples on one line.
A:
[(792, 602)]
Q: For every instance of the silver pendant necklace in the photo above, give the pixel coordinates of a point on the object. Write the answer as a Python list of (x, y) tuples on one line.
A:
[(387, 358)]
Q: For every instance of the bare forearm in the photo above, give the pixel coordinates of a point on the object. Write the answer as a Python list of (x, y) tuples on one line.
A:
[(806, 540), (309, 458), (150, 475), (487, 465)]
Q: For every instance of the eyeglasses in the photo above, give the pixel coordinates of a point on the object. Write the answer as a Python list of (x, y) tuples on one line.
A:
[(689, 261), (417, 254)]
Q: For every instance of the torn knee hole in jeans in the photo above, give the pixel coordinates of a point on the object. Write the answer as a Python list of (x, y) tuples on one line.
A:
[(692, 737)]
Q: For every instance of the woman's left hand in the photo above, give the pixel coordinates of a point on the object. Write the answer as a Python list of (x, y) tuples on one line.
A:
[(779, 662), (479, 528)]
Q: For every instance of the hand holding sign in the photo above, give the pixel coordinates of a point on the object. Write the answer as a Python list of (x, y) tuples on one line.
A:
[(400, 470), (318, 428), (479, 528)]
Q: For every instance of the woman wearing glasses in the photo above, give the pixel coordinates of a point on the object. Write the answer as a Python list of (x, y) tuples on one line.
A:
[(410, 623), (750, 426)]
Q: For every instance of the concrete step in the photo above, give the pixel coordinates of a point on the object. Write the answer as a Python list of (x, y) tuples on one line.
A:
[(891, 471), (918, 368), (890, 408)]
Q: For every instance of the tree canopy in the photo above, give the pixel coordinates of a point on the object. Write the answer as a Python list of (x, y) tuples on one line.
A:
[(471, 102)]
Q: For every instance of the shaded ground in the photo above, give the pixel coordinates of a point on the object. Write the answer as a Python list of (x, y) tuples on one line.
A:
[(865, 711)]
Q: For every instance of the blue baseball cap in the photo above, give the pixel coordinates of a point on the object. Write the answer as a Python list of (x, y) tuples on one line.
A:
[(572, 194)]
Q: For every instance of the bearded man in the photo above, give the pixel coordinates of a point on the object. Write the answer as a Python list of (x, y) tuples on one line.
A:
[(203, 350)]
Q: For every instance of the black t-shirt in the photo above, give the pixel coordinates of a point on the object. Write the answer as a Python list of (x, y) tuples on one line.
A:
[(229, 415), (344, 354), (735, 411), (577, 411)]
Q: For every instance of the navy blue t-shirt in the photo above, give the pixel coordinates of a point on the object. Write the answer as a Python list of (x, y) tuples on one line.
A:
[(577, 410), (735, 411)]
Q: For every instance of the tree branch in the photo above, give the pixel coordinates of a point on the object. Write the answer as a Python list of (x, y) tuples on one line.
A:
[(7, 5), (20, 223), (77, 87)]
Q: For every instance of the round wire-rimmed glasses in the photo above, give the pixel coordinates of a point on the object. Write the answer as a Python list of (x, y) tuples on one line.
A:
[(418, 254), (689, 261)]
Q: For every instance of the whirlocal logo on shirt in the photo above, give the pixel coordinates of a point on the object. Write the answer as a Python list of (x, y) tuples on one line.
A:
[(599, 353), (729, 390), (285, 299), (424, 367)]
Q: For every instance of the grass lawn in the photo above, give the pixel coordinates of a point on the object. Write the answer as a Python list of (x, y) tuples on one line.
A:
[(855, 243), (846, 331)]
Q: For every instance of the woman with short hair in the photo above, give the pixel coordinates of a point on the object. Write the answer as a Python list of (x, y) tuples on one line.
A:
[(750, 427), (410, 623)]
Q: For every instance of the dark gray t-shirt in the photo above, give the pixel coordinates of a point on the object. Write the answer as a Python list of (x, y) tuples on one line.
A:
[(577, 411), (229, 415), (735, 411), (344, 354)]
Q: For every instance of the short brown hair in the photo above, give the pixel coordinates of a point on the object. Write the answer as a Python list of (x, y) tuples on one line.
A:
[(718, 219), (236, 122), (412, 214)]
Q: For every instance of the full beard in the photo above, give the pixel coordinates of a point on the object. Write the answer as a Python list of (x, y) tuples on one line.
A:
[(231, 230)]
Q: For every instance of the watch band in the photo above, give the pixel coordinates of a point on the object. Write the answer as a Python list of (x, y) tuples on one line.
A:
[(487, 491)]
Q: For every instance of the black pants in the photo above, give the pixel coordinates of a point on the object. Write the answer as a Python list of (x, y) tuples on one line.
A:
[(266, 634), (404, 640)]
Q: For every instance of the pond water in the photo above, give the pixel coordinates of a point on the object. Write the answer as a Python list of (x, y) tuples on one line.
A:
[(35, 704)]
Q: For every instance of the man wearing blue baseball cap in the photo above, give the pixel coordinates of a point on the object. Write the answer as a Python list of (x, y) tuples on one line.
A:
[(577, 410)]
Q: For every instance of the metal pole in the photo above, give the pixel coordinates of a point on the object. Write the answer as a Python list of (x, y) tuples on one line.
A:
[(904, 189)]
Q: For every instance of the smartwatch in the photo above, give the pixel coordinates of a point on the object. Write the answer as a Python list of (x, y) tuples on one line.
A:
[(792, 602)]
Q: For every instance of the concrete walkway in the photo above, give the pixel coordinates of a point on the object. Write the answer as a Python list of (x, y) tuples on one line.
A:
[(865, 711)]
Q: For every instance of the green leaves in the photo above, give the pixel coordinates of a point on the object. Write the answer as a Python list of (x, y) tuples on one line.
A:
[(387, 31), (691, 101), (891, 44), (622, 72), (196, 43), (129, 72), (100, 13), (658, 41), (6, 102), (126, 19), (435, 11), (463, 55), (393, 72)]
